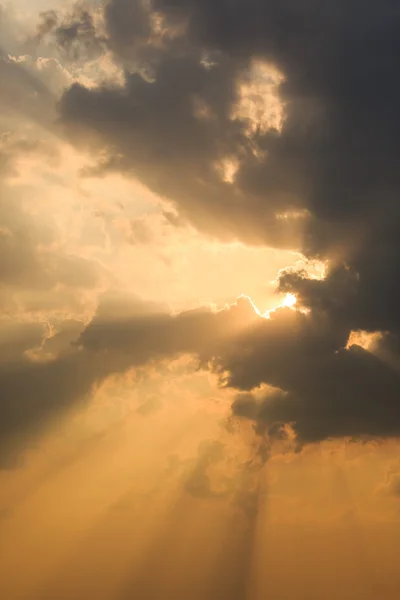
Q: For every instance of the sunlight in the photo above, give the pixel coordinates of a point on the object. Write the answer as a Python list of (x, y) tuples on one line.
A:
[(289, 301), (258, 98)]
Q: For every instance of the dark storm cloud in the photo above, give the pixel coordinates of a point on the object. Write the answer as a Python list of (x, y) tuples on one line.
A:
[(151, 335), (171, 126), (336, 156), (326, 390), (32, 392), (126, 22), (338, 151), (350, 393), (362, 298), (335, 160), (387, 347)]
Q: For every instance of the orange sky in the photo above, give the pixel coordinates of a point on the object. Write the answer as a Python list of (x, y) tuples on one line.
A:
[(146, 486)]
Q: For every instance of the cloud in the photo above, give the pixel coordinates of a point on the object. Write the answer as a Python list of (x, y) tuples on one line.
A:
[(151, 335), (349, 394), (334, 162), (76, 34), (322, 178), (171, 126), (34, 390), (41, 272), (326, 389), (27, 258), (198, 482), (24, 93), (16, 338), (323, 388), (126, 22)]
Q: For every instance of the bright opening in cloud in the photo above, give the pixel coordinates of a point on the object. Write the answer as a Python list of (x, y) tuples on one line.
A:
[(259, 102), (289, 300)]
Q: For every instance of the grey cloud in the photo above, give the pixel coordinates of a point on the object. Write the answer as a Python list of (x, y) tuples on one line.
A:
[(77, 35), (339, 145), (363, 299), (126, 21), (73, 34), (326, 390), (247, 406), (151, 129), (118, 305), (34, 392), (336, 157), (348, 394), (150, 335), (48, 20)]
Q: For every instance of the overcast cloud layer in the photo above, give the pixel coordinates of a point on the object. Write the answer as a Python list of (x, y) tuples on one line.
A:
[(312, 168)]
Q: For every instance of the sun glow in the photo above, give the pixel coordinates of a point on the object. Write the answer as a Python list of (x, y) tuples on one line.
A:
[(289, 301)]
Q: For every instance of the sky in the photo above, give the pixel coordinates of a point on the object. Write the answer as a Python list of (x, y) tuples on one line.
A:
[(199, 322)]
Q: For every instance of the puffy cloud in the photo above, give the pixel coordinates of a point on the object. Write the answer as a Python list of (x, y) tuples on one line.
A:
[(348, 394), (327, 389), (330, 171), (150, 335), (322, 177), (36, 388), (172, 125), (319, 161), (324, 388)]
